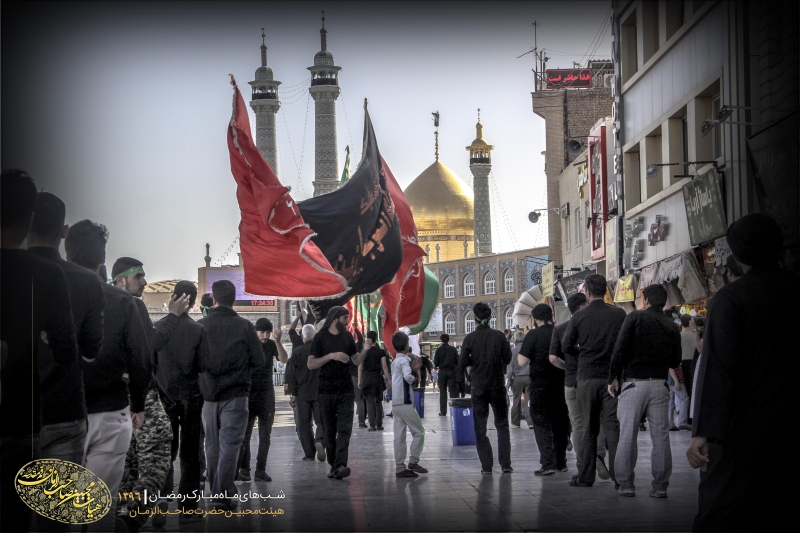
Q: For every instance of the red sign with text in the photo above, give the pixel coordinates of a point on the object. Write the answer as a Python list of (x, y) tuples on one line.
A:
[(569, 78), (598, 171)]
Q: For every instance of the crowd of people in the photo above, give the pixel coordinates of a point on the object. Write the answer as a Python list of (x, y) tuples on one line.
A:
[(124, 397)]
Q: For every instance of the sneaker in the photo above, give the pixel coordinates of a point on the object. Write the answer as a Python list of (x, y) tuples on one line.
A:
[(341, 472), (372, 429), (159, 519), (570, 447), (515, 427), (674, 428), (575, 482), (330, 474), (602, 471), (362, 425), (390, 414), (685, 427), (320, 451), (508, 470), (406, 473), (442, 414), (563, 469), (544, 472), (417, 468), (261, 475), (486, 472), (628, 493), (308, 458), (380, 428), (658, 493), (243, 474), (642, 427)]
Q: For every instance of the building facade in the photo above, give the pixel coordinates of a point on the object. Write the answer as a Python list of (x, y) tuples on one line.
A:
[(495, 279)]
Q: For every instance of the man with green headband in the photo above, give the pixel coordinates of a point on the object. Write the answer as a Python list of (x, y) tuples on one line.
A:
[(149, 456)]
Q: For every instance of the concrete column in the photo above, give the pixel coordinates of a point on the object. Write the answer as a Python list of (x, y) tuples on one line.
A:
[(633, 187), (700, 148), (649, 154), (671, 150)]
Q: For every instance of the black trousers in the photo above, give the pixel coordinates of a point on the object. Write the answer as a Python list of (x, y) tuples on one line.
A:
[(498, 400), (262, 406), (550, 423), (306, 412), (447, 383), (187, 423), (597, 407), (374, 410), (359, 399), (336, 413)]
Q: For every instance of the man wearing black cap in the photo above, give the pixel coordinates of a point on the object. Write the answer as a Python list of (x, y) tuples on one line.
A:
[(261, 404), (333, 350), (744, 388)]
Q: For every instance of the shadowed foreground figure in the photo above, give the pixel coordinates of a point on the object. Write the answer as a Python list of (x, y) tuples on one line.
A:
[(744, 391)]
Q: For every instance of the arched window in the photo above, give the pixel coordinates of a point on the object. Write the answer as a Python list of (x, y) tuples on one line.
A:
[(489, 283), (449, 287), (509, 318), (469, 322), (493, 321), (469, 285), (450, 324), (508, 281)]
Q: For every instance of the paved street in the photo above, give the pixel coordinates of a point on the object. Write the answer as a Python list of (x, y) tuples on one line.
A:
[(454, 496)]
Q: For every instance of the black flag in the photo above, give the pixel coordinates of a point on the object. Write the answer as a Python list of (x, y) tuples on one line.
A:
[(357, 228)]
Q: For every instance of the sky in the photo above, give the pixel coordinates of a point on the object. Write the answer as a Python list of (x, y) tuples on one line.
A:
[(121, 109)]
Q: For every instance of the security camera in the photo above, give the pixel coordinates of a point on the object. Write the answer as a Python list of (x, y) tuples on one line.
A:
[(533, 216)]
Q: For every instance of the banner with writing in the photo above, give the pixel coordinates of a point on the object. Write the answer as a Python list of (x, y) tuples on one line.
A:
[(704, 208)]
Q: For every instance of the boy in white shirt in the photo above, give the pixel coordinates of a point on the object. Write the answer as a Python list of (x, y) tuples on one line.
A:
[(405, 374)]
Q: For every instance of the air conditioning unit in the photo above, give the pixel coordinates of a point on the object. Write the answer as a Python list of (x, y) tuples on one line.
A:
[(608, 81)]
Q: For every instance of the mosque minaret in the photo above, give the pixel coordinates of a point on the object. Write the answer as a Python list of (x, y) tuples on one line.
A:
[(480, 163), (265, 105), (325, 90)]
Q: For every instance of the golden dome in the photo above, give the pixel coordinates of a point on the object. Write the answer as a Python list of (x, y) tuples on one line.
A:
[(441, 202)]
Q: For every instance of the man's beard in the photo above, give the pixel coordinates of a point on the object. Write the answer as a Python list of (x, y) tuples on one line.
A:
[(339, 327)]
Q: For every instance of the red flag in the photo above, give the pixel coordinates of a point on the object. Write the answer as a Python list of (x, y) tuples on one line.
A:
[(403, 296), (279, 259)]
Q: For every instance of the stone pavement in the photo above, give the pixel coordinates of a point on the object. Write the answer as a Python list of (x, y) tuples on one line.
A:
[(453, 496)]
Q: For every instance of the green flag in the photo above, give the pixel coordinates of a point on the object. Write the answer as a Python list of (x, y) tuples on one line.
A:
[(428, 303), (346, 169)]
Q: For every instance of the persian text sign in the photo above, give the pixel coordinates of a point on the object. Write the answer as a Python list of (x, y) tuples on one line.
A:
[(569, 78), (704, 206), (548, 272)]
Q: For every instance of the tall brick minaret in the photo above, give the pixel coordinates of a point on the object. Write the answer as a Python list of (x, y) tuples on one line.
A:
[(265, 105)]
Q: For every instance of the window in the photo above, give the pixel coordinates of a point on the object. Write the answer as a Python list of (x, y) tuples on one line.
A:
[(716, 133), (293, 311), (508, 281), (567, 236), (469, 322), (449, 287), (450, 324), (493, 321), (509, 318), (489, 283), (577, 226), (469, 285), (628, 47)]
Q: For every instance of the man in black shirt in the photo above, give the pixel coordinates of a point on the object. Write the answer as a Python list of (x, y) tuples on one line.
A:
[(487, 351), (148, 462), (124, 351), (35, 303), (590, 337), (179, 365), (546, 394), (63, 401), (333, 350), (745, 386), (371, 382), (233, 352), (648, 346), (261, 403), (569, 363), (445, 359), (303, 396)]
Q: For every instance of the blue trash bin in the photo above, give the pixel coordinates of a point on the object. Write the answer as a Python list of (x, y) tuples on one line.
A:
[(461, 422), (419, 402)]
